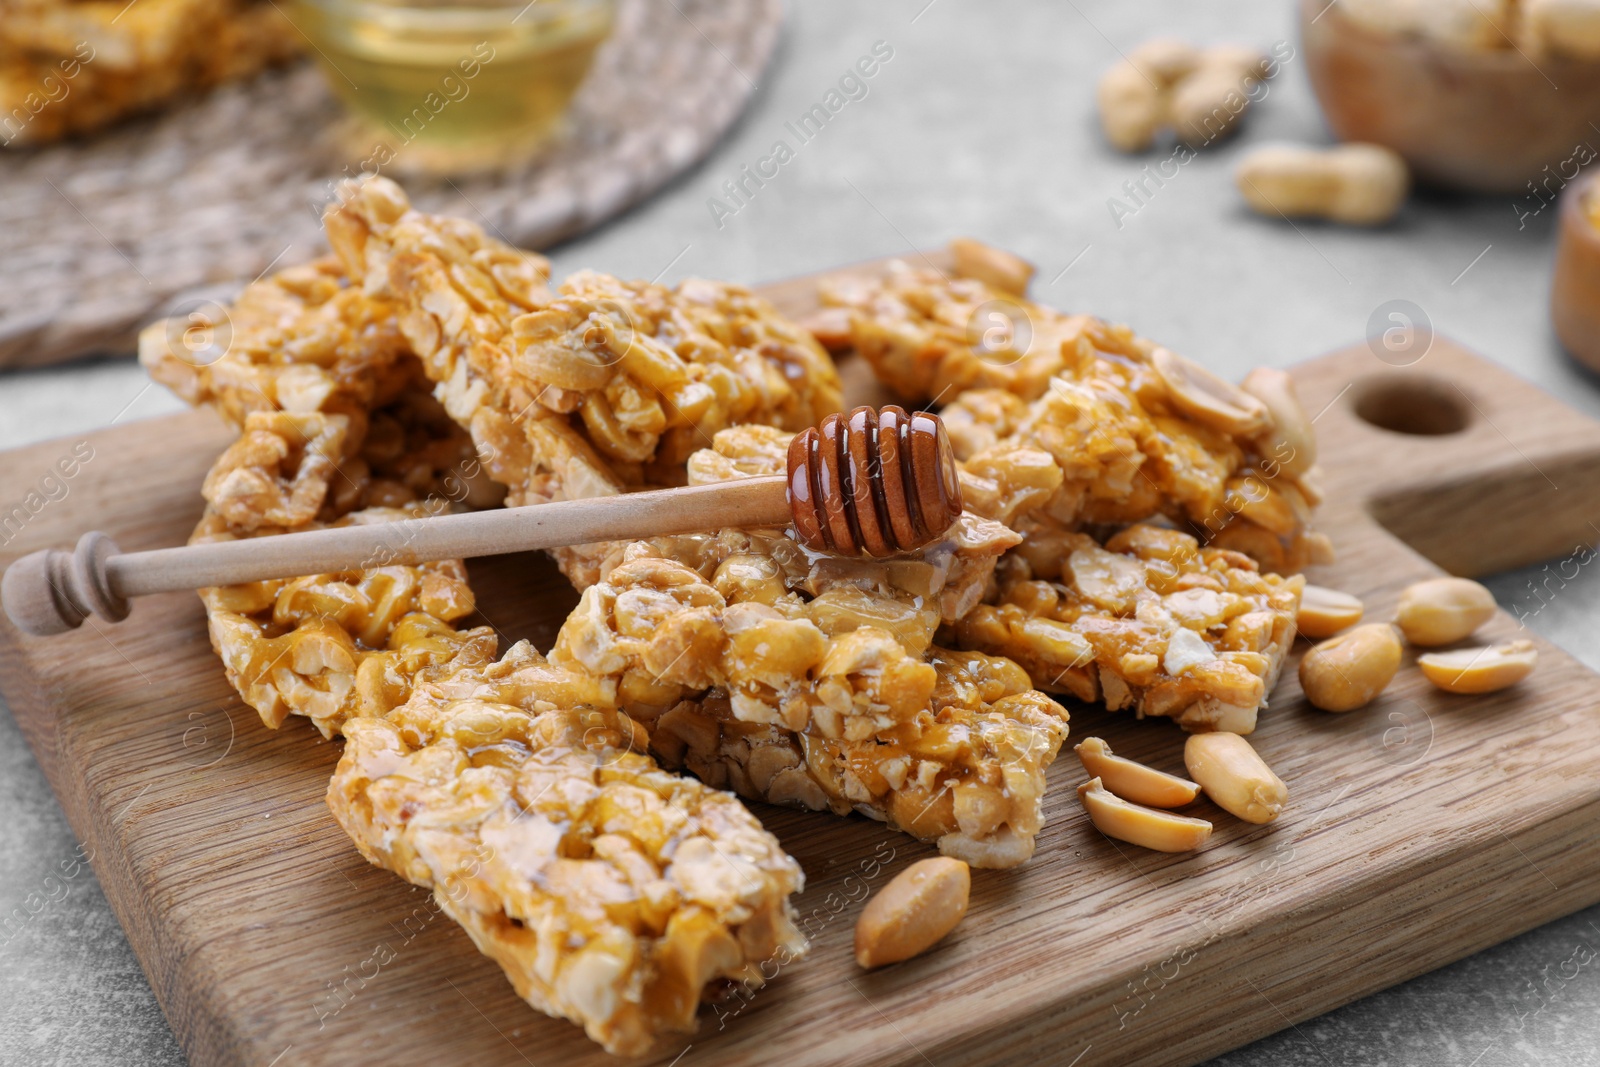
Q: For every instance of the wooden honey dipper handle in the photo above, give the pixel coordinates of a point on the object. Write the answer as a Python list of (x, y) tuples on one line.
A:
[(878, 482)]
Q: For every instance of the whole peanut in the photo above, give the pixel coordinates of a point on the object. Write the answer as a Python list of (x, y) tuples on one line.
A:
[(1356, 184), (1441, 611), (1133, 107), (1346, 672), (918, 907), (1235, 776)]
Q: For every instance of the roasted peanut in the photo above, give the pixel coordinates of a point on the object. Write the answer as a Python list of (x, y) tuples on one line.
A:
[(1208, 103), (1162, 83), (1458, 24), (994, 267), (1480, 670), (1207, 398), (1132, 780), (918, 907), (1132, 106), (1139, 825), (1356, 184), (1345, 672), (1440, 611), (1165, 59), (1292, 443), (1324, 612), (1562, 27), (1234, 776)]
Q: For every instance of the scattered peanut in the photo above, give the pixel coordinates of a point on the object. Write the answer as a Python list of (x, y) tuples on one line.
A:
[(1356, 184), (1208, 104), (1292, 444), (1165, 59), (1132, 105), (996, 268), (1202, 93), (1443, 610), (1139, 825), (1480, 670), (1324, 612), (918, 907), (1345, 672), (1132, 780), (1234, 776)]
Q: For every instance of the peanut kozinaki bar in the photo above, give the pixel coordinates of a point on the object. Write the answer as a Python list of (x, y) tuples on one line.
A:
[(597, 388), (613, 893), (1137, 431), (1086, 429), (73, 67), (814, 680)]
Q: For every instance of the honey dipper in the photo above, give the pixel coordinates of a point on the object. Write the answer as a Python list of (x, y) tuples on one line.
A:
[(871, 481)]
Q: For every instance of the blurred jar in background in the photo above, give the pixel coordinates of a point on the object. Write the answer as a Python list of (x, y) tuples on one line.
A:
[(453, 86)]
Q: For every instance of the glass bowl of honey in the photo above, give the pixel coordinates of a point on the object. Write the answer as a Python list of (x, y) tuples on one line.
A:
[(454, 86)]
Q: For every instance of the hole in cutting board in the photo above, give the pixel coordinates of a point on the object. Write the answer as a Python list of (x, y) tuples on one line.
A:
[(1416, 404)]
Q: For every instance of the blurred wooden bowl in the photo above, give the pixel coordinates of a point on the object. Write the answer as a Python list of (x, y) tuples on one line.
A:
[(1485, 121), (1575, 288)]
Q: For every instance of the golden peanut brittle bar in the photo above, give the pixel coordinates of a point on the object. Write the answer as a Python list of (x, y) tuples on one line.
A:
[(1136, 430), (302, 340), (967, 774), (1151, 621), (74, 67), (334, 646), (739, 685), (612, 893), (599, 387), (930, 336)]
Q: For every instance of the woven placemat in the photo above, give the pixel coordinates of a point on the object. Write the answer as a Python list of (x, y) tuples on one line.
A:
[(99, 237)]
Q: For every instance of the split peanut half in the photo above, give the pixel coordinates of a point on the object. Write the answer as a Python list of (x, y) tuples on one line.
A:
[(1132, 780), (1324, 612), (1138, 825), (1480, 670), (1292, 443)]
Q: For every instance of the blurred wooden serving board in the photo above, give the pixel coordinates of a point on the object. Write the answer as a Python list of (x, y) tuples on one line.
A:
[(1420, 829)]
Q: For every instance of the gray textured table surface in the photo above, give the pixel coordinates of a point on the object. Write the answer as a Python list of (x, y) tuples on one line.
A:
[(981, 123)]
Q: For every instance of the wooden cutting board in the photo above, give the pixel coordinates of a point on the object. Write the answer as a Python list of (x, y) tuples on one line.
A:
[(1421, 829)]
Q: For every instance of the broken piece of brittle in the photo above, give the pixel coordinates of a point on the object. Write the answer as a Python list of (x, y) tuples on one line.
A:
[(932, 335), (838, 701), (1152, 622), (74, 67), (612, 893), (302, 340), (333, 646), (598, 387), (967, 773)]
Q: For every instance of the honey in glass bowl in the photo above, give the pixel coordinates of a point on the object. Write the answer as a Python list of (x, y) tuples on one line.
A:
[(455, 86)]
